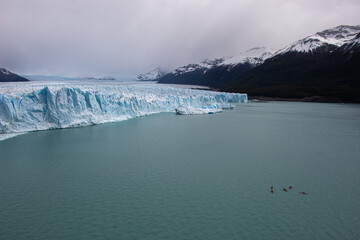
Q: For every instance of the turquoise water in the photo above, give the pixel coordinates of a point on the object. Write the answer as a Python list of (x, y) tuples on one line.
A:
[(189, 177)]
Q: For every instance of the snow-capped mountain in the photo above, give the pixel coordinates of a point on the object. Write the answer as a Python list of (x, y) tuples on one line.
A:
[(326, 40), (218, 72), (254, 56), (152, 75), (323, 66), (7, 76)]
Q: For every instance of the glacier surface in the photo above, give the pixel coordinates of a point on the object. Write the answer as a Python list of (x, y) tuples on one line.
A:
[(35, 106)]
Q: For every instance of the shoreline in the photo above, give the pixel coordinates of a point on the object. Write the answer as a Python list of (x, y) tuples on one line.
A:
[(316, 99)]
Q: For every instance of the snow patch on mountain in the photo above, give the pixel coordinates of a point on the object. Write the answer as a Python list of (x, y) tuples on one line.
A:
[(5, 71), (352, 45), (252, 56)]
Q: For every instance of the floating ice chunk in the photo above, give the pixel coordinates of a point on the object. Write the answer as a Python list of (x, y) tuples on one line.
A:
[(226, 105), (183, 110), (9, 135)]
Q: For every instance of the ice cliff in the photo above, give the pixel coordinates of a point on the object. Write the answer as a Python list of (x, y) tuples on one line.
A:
[(39, 106)]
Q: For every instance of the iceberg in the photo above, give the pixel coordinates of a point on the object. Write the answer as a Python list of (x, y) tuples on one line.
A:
[(39, 106), (183, 110), (226, 105)]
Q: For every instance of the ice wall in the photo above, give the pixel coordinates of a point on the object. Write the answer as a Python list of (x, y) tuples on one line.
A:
[(33, 106)]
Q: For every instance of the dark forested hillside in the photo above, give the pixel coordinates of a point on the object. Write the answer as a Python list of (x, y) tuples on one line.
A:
[(333, 75), (216, 77)]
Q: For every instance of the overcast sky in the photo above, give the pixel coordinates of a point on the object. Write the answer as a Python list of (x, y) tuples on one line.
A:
[(122, 38)]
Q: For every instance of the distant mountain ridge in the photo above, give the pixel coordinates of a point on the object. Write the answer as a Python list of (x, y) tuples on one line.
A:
[(7, 76), (254, 56), (152, 75), (325, 64), (98, 78), (219, 71)]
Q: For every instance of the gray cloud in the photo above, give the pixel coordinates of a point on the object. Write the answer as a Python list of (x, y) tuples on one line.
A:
[(123, 38)]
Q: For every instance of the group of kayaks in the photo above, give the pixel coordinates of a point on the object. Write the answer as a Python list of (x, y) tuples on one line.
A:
[(286, 190)]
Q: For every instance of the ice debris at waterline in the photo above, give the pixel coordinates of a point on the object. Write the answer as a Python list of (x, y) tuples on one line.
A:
[(182, 110), (34, 106)]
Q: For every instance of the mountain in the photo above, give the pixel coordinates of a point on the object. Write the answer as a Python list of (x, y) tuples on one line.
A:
[(153, 75), (324, 41), (219, 71), (7, 76), (320, 67), (98, 78), (324, 66), (353, 45)]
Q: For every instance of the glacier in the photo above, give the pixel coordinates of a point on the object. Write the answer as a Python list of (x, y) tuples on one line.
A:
[(36, 106)]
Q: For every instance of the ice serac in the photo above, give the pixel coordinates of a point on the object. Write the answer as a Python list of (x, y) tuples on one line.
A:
[(29, 107)]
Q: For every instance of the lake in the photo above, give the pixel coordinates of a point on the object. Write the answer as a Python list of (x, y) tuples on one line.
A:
[(168, 176)]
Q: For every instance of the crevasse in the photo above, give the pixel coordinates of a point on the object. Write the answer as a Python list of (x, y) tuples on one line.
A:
[(31, 107)]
